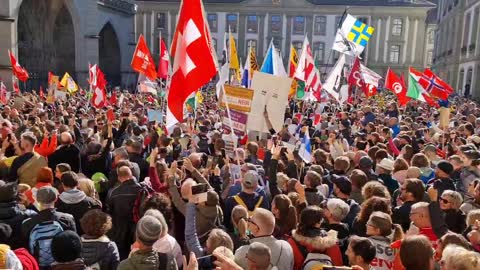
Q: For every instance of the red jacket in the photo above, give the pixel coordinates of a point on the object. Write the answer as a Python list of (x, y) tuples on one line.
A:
[(325, 244)]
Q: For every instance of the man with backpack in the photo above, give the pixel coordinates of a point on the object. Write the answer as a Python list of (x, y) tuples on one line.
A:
[(248, 197), (120, 205), (39, 230), (74, 201)]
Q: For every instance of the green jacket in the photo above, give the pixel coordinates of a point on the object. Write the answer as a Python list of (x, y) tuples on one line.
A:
[(148, 260)]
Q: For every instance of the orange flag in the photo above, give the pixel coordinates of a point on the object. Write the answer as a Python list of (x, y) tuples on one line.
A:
[(142, 60)]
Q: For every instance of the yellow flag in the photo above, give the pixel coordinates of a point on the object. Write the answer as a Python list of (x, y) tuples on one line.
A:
[(199, 97), (68, 83), (234, 55), (292, 66)]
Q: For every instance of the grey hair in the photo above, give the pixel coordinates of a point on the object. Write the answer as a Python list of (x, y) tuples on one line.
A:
[(456, 198)]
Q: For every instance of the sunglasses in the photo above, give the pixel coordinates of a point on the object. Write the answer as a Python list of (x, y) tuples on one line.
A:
[(445, 201), (251, 221)]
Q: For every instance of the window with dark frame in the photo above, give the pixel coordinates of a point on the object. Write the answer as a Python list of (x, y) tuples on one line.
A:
[(232, 21), (395, 54), (298, 25), (252, 24), (251, 43), (213, 22), (320, 25), (397, 27), (319, 52), (276, 24), (161, 20), (298, 46)]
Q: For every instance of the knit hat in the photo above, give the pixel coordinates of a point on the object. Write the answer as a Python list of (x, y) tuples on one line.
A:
[(445, 167), (342, 183), (66, 247), (8, 191), (148, 230), (338, 208), (47, 195), (259, 254)]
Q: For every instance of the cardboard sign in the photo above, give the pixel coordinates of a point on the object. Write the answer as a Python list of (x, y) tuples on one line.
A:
[(444, 117), (155, 115), (239, 122), (270, 92), (238, 98)]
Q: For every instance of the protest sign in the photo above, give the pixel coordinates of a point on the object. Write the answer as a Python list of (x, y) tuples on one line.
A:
[(239, 122), (238, 98), (444, 117), (60, 95), (272, 92), (155, 115), (230, 144)]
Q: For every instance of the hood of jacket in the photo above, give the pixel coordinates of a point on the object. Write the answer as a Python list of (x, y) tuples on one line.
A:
[(318, 240), (146, 258), (72, 196)]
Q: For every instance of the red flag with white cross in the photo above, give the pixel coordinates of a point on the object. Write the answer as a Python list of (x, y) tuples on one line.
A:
[(194, 64)]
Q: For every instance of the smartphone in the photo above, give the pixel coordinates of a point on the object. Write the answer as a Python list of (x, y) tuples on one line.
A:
[(199, 193), (224, 155)]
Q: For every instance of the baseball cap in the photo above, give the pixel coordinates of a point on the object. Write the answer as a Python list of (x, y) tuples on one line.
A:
[(250, 179)]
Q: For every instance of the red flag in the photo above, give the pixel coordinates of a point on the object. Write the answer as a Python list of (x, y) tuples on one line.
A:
[(355, 78), (41, 92), (142, 60), (98, 84), (194, 64), (164, 61), (15, 85), (397, 86), (370, 90), (113, 99), (434, 85), (3, 93), (17, 70)]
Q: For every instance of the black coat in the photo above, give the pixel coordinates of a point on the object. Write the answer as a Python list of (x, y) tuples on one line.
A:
[(102, 251), (69, 154), (76, 206), (120, 207), (142, 164), (455, 220), (66, 221), (13, 215), (401, 215)]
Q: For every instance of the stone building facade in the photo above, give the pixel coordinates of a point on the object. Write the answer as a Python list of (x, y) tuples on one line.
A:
[(457, 50), (65, 36), (399, 41)]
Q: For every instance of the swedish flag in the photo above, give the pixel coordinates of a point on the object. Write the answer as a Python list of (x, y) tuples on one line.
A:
[(360, 33)]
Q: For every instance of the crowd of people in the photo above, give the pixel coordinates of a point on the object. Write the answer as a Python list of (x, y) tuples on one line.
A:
[(385, 188)]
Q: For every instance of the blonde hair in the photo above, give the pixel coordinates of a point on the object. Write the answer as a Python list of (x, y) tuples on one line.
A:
[(455, 198), (473, 216), (456, 257), (86, 185)]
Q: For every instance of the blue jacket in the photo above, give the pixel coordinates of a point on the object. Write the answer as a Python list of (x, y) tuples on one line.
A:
[(369, 117)]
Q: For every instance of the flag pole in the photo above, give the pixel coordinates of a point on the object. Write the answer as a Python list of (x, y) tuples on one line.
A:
[(338, 26)]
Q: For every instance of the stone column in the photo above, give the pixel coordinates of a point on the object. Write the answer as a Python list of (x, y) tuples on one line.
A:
[(241, 29)]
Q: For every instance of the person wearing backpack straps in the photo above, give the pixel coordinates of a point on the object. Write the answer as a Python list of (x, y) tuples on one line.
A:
[(261, 225), (247, 197), (39, 230), (148, 230), (311, 244)]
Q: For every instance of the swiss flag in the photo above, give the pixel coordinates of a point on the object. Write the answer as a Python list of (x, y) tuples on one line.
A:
[(142, 60), (17, 70), (164, 61), (397, 86), (355, 78), (98, 83), (434, 85), (194, 64)]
